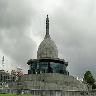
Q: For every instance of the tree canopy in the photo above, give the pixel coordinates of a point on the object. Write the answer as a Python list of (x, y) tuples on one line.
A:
[(88, 78)]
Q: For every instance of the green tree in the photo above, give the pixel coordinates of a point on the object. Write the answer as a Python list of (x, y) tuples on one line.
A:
[(88, 78)]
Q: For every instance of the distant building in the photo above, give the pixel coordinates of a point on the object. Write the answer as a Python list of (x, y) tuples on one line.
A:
[(4, 76)]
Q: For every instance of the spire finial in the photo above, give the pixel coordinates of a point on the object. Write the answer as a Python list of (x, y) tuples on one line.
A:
[(47, 27)]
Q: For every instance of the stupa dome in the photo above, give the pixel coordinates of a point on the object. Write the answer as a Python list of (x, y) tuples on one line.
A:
[(47, 49)]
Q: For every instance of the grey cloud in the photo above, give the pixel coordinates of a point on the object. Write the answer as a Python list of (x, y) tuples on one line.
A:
[(15, 18), (75, 35), (72, 27), (15, 14)]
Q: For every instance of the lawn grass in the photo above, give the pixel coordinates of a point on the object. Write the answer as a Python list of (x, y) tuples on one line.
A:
[(15, 95)]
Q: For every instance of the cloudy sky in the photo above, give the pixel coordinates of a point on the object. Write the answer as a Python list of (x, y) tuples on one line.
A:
[(72, 27)]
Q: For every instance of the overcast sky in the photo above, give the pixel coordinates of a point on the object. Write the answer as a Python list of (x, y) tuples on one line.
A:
[(72, 27)]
